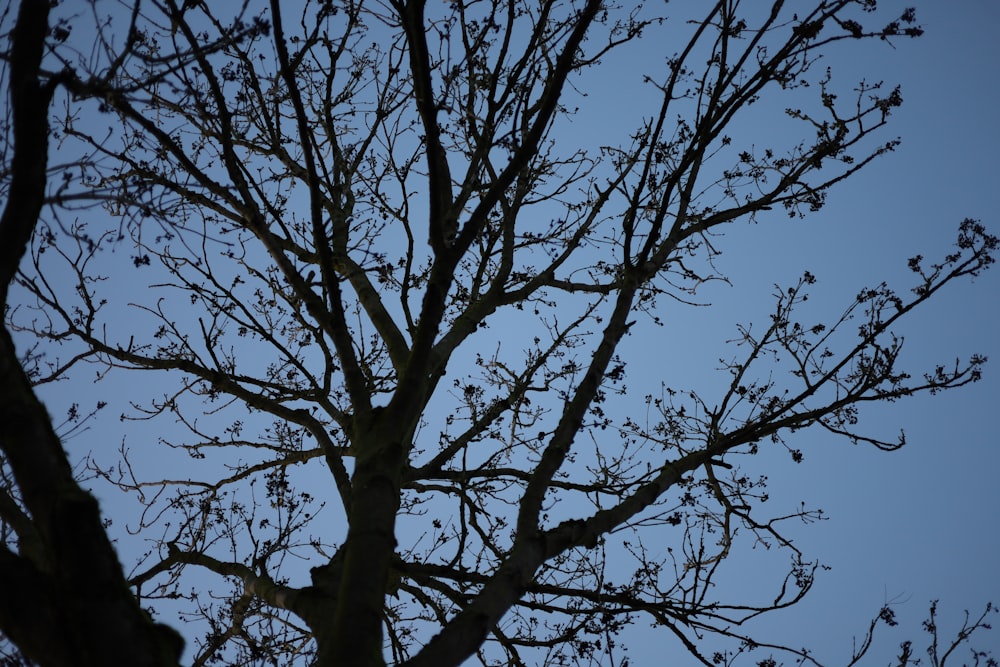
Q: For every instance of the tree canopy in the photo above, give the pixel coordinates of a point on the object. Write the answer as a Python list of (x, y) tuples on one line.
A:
[(386, 290)]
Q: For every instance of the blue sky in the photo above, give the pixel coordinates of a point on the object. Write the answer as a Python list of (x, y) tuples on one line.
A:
[(904, 527), (922, 523)]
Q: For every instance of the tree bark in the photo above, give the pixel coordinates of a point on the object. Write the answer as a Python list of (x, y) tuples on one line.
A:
[(356, 636)]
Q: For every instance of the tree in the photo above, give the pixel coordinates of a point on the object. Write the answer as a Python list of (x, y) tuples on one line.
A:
[(328, 216)]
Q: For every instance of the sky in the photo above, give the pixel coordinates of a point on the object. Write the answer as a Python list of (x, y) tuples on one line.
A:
[(921, 523)]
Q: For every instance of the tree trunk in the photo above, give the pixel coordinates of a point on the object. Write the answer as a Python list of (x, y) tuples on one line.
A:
[(356, 635)]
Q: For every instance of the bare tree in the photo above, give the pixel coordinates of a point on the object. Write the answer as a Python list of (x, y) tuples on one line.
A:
[(364, 247)]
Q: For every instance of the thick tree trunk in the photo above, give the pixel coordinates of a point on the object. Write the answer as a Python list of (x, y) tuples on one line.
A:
[(356, 633)]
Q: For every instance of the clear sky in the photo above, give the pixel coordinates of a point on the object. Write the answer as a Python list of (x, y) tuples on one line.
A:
[(921, 523), (906, 527)]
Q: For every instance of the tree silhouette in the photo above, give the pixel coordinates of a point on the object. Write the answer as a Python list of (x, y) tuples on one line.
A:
[(385, 292)]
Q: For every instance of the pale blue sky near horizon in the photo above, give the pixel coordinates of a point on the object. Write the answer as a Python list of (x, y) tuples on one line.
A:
[(922, 523)]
